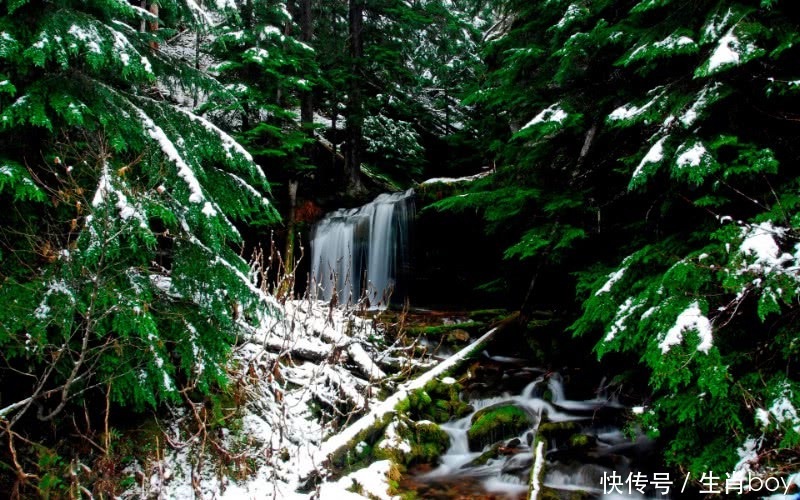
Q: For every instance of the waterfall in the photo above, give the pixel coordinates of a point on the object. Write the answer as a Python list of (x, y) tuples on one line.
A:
[(362, 251)]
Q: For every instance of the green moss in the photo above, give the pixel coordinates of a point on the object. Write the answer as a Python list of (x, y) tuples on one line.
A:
[(356, 488), (443, 330), (345, 457), (488, 315), (426, 440), (430, 433), (394, 455), (436, 401), (496, 422), (393, 477), (580, 441), (487, 455), (558, 430)]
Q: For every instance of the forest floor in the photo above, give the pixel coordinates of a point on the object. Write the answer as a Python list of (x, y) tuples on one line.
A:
[(299, 386)]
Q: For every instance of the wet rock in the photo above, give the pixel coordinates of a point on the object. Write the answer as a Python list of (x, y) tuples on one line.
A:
[(520, 463), (574, 480), (496, 423), (458, 336), (582, 441), (558, 431), (600, 414), (484, 457)]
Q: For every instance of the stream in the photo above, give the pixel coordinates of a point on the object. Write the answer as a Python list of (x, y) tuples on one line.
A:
[(584, 439), (362, 254)]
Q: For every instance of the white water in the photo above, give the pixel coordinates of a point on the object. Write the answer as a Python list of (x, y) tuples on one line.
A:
[(360, 252), (509, 474)]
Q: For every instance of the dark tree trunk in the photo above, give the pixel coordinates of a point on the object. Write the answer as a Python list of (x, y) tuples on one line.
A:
[(291, 227), (306, 119), (306, 35), (355, 112)]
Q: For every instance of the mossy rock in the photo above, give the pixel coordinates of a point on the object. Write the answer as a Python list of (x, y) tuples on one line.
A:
[(484, 457), (495, 423), (436, 401), (457, 336), (559, 431), (428, 443), (488, 315), (581, 441), (445, 330), (420, 442)]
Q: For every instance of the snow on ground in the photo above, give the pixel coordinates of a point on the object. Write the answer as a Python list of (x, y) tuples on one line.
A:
[(280, 434), (370, 481)]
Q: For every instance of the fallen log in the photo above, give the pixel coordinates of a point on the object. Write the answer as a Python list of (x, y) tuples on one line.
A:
[(377, 417)]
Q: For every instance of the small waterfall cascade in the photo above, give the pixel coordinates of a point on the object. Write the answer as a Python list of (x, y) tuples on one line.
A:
[(583, 438), (362, 251)]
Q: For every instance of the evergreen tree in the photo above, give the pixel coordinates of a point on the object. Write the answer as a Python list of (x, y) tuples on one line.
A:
[(271, 74), (657, 135), (418, 59), (118, 264)]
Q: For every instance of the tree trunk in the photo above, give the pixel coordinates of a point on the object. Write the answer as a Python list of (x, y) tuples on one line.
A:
[(306, 120), (143, 23), (154, 24), (355, 112), (306, 35), (290, 228)]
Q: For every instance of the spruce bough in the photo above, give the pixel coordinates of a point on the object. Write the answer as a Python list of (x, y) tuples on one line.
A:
[(118, 265)]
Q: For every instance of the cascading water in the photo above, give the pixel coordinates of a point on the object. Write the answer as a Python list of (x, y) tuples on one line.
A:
[(502, 470), (362, 251)]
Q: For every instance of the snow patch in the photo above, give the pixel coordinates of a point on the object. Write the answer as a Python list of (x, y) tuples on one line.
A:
[(725, 53), (699, 105), (538, 464), (672, 42), (284, 437), (573, 12), (714, 27), (105, 189), (623, 313), (690, 319), (168, 148), (748, 457), (146, 63), (693, 156), (393, 440), (730, 52), (455, 180), (654, 155), (89, 36), (612, 278), (630, 111), (783, 411), (759, 241), (373, 482), (551, 114)]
